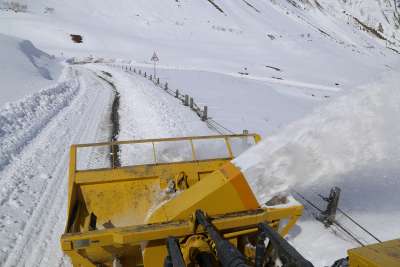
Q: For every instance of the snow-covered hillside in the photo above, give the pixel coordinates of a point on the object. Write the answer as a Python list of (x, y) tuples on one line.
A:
[(25, 69), (194, 34), (318, 79)]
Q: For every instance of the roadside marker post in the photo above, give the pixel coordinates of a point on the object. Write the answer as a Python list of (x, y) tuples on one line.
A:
[(155, 59)]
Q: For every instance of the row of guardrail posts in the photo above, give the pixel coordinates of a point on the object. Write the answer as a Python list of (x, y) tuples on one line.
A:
[(185, 99)]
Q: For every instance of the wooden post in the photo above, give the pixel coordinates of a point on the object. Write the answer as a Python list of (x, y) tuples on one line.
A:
[(177, 93), (205, 114), (166, 86), (158, 80), (191, 103), (186, 103)]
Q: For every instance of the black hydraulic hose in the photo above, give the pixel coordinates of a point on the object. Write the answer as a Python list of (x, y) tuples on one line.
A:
[(174, 253), (204, 259), (289, 255), (260, 250), (228, 255), (168, 262)]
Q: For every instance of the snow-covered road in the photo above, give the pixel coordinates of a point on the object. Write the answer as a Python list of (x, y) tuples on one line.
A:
[(33, 194), (146, 111)]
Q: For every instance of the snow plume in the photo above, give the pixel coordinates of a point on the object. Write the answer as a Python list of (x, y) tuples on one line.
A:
[(22, 120), (354, 132)]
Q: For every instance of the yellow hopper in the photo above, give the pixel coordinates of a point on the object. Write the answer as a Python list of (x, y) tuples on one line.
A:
[(127, 199)]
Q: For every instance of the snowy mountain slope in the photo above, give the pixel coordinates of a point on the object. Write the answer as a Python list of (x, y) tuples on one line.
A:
[(195, 34), (381, 15), (25, 69)]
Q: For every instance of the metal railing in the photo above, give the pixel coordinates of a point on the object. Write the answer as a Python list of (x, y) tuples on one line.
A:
[(165, 150)]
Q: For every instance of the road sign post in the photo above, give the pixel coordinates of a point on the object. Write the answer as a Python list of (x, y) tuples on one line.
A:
[(155, 59)]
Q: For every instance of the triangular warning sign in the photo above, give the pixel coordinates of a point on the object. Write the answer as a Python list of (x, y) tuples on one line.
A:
[(154, 57)]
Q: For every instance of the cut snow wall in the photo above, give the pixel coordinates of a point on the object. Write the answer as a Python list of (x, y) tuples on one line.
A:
[(21, 121)]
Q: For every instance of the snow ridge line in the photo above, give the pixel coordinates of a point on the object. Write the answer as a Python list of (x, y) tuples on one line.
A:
[(21, 121)]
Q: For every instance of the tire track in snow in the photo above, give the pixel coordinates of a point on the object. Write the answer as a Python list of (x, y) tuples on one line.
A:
[(37, 240), (43, 255)]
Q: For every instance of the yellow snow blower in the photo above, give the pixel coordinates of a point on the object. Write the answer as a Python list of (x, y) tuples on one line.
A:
[(173, 202)]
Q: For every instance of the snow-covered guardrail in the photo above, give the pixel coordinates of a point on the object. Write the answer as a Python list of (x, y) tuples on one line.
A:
[(185, 99)]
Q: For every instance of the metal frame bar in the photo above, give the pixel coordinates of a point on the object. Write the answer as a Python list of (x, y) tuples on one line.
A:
[(153, 142), (134, 235), (256, 137)]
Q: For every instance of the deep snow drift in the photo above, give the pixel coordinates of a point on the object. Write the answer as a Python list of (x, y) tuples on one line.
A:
[(25, 69)]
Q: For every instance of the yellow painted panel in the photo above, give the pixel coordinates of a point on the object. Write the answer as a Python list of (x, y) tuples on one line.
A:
[(385, 254), (217, 193), (121, 203)]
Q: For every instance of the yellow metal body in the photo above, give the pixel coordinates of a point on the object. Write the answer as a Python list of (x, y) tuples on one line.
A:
[(127, 212), (385, 254)]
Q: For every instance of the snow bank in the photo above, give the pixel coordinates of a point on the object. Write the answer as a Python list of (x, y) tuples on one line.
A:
[(25, 69), (21, 121), (358, 131)]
